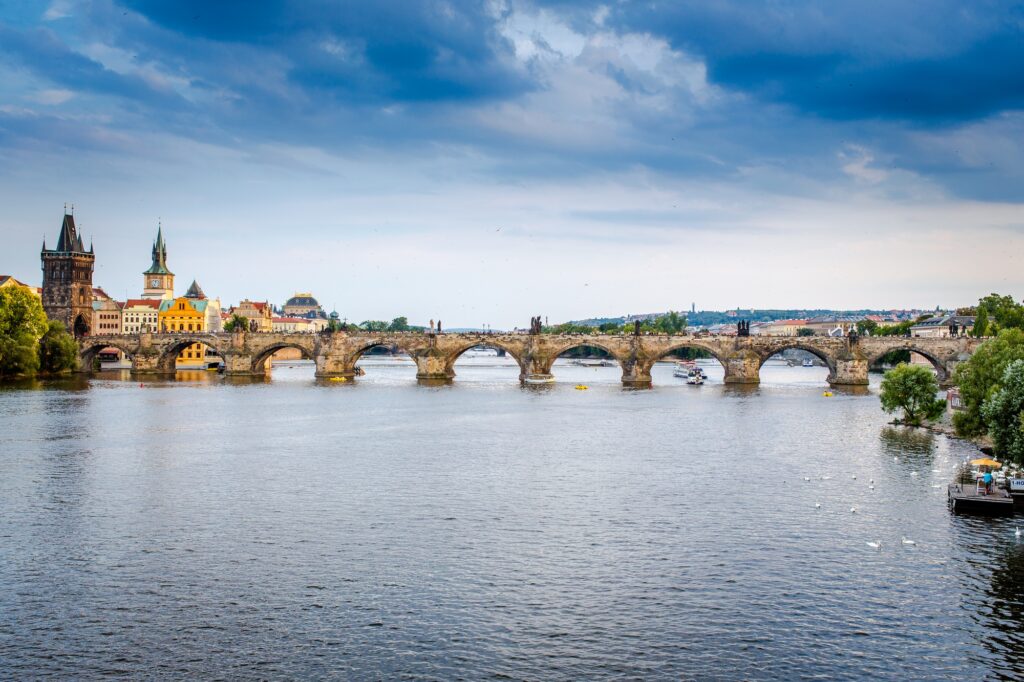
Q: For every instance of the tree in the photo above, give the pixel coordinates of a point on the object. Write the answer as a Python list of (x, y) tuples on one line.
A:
[(375, 325), (399, 324), (22, 323), (978, 377), (805, 331), (670, 323), (237, 323), (912, 389), (866, 327), (1003, 311), (1003, 412), (980, 328), (58, 351)]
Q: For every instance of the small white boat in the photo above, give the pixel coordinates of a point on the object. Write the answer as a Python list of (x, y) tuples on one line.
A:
[(808, 363), (695, 377)]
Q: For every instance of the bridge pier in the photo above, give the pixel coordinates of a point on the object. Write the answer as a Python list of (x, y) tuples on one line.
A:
[(636, 375), (433, 368), (852, 372), (239, 364), (742, 368), (335, 365)]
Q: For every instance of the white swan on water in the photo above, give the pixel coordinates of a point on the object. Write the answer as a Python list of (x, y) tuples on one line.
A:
[(905, 541), (817, 505), (853, 510), (874, 545)]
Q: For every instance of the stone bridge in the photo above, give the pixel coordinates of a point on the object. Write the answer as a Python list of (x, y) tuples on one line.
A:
[(336, 354)]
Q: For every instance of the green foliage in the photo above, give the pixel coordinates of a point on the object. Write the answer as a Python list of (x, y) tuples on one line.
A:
[(334, 325), (979, 376), (895, 357), (1003, 412), (912, 389), (237, 323), (22, 323), (1002, 312), (21, 312), (58, 351), (980, 328), (399, 324), (670, 323), (866, 327), (19, 354), (805, 331), (375, 325)]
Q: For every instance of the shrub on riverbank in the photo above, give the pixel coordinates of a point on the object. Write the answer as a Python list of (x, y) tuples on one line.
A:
[(912, 389), (1003, 412), (29, 343), (979, 377)]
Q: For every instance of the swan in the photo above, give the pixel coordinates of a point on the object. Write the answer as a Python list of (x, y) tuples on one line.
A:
[(817, 505), (871, 487), (807, 478), (905, 541), (913, 473), (855, 477), (853, 510), (874, 545)]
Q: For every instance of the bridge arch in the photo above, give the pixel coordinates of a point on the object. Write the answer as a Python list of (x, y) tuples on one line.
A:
[(88, 350), (554, 354), (454, 356), (260, 359), (682, 345), (167, 364), (823, 355), (938, 363)]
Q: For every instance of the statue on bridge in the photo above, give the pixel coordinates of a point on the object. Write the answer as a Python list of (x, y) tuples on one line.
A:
[(743, 328), (636, 327), (535, 326)]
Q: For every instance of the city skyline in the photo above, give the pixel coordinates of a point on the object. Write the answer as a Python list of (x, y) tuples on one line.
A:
[(486, 164)]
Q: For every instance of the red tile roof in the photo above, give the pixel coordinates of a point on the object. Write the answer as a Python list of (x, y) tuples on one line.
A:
[(142, 302)]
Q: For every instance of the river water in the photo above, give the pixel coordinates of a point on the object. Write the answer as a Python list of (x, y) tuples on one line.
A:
[(203, 527)]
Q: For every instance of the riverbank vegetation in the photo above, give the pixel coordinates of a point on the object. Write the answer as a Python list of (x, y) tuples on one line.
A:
[(670, 323), (912, 390), (30, 344)]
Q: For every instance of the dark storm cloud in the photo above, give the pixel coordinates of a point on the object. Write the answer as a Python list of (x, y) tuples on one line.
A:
[(925, 62), (377, 51)]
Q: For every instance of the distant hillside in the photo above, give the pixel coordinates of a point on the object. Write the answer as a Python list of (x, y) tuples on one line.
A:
[(705, 318)]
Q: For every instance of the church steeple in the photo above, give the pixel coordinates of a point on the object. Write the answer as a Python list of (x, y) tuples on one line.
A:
[(158, 280), (159, 266)]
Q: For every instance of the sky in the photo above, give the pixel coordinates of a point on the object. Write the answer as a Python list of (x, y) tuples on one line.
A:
[(484, 162)]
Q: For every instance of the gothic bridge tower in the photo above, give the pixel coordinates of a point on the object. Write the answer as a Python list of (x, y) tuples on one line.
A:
[(67, 280)]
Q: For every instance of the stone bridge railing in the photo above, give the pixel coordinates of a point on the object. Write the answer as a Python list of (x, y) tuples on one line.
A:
[(336, 353)]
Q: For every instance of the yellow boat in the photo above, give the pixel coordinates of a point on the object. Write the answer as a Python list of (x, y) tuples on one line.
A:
[(338, 379), (827, 394), (581, 387)]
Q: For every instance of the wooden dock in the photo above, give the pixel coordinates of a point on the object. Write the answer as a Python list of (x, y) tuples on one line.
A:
[(964, 498)]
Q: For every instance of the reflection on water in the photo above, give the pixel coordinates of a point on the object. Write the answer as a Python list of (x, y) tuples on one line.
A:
[(201, 526)]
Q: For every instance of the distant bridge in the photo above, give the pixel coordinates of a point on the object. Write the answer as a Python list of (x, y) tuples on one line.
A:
[(336, 353)]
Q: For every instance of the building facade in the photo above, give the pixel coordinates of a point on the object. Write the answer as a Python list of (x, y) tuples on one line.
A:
[(187, 313), (259, 314), (140, 315), (67, 280), (106, 313)]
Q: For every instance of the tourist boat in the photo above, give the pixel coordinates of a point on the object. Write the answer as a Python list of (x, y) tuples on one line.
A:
[(808, 363), (683, 368), (695, 377)]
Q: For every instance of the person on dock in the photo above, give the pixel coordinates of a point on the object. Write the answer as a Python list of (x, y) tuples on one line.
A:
[(987, 480)]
